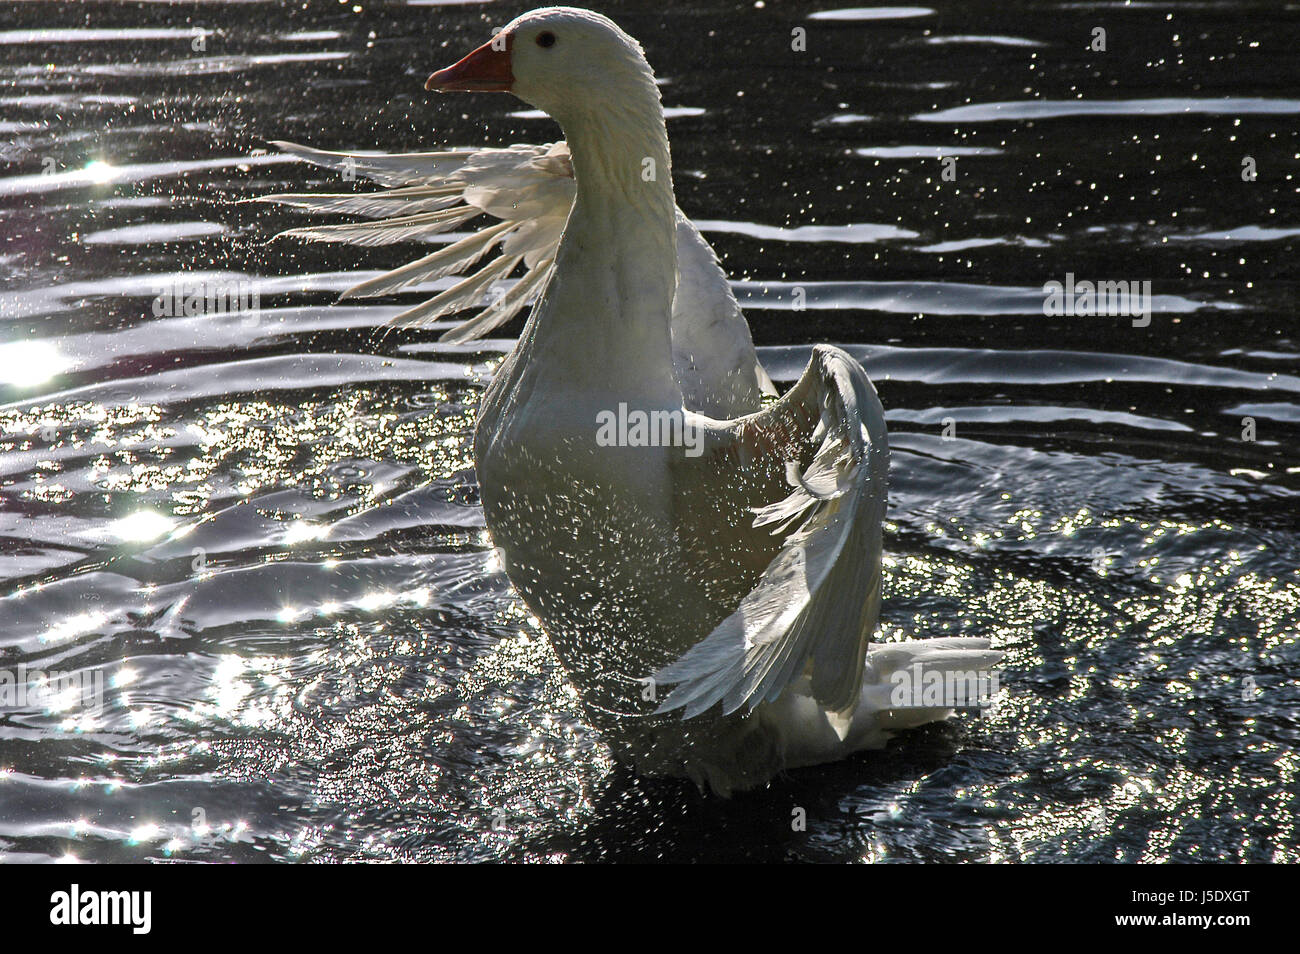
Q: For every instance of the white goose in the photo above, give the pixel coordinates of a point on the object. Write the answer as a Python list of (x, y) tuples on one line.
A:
[(654, 564)]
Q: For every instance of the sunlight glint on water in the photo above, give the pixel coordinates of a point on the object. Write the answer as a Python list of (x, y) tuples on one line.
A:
[(262, 529)]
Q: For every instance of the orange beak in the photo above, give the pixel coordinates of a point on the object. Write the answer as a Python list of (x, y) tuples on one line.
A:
[(486, 70)]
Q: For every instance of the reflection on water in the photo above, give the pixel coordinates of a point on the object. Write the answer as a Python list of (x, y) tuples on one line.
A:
[(251, 534), (1171, 106)]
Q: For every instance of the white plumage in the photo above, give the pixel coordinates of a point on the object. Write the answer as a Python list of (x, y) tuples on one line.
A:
[(714, 607)]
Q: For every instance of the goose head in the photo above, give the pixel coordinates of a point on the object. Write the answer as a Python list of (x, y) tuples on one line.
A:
[(567, 62)]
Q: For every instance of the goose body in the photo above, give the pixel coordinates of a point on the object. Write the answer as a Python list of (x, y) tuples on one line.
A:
[(711, 594)]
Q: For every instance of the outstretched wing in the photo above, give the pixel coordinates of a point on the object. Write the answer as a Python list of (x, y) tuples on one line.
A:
[(816, 604), (530, 190)]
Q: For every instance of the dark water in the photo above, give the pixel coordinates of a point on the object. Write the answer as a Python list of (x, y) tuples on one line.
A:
[(261, 530)]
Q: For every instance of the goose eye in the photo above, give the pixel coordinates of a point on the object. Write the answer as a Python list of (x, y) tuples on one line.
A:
[(546, 40)]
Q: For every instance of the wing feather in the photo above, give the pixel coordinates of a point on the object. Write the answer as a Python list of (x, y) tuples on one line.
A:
[(373, 205), (387, 169), (401, 228), (502, 311), (530, 190), (454, 258), (713, 351), (459, 296), (815, 606)]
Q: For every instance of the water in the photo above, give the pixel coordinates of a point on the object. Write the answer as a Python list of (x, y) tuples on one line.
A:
[(261, 530)]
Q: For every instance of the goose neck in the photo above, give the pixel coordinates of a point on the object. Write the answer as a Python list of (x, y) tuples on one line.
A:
[(607, 316)]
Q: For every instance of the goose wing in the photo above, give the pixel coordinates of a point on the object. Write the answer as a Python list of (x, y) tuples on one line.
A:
[(816, 604), (530, 191), (713, 351)]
